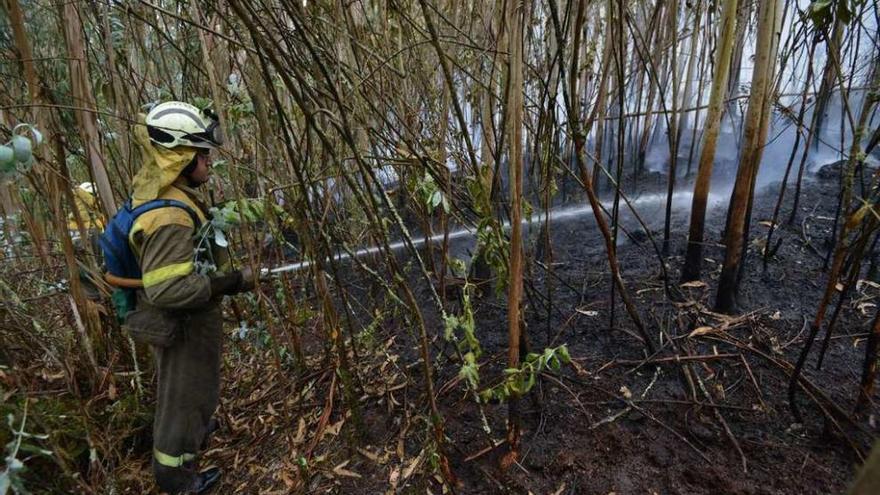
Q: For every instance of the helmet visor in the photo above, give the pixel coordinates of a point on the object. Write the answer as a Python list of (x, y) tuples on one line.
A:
[(213, 135)]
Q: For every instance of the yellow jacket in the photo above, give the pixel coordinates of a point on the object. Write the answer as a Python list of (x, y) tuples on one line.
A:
[(165, 241), (86, 204)]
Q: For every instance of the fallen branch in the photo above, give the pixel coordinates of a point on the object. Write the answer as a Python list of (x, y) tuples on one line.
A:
[(722, 422)]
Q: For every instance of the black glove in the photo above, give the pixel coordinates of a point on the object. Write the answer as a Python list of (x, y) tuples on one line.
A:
[(244, 280), (224, 285), (248, 279)]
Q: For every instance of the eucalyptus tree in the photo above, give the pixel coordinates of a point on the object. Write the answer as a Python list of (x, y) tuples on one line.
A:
[(754, 137), (694, 255)]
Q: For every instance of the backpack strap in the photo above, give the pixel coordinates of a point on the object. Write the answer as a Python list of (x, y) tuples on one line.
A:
[(165, 203)]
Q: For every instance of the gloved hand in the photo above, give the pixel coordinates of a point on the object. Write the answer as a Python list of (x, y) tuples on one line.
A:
[(248, 279), (243, 280)]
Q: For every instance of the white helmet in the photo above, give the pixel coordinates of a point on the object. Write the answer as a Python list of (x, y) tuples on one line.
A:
[(175, 123), (87, 187)]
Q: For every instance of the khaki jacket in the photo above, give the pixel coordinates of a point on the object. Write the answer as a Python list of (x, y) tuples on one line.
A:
[(170, 251)]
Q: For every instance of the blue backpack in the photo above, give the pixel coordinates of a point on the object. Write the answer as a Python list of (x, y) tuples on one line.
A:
[(119, 259)]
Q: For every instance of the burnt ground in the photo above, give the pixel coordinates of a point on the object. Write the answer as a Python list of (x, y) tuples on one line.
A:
[(611, 422), (581, 438)]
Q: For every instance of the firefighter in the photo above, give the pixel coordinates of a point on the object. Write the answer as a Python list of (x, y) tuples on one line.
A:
[(86, 204), (88, 211), (177, 293)]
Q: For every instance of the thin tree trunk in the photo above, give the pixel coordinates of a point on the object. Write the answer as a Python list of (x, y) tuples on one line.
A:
[(869, 368), (81, 87), (744, 13), (694, 255), (672, 121), (579, 139), (829, 78), (600, 107), (651, 65), (706, 46), (515, 12), (768, 249), (754, 136), (124, 148), (23, 47), (695, 46)]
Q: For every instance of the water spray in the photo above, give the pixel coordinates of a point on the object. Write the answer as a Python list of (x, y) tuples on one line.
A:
[(561, 214)]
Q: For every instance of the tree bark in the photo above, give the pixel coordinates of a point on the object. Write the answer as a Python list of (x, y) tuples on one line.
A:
[(515, 286), (754, 136), (694, 255), (81, 87)]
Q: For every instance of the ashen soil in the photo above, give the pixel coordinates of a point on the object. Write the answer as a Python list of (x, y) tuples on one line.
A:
[(610, 422)]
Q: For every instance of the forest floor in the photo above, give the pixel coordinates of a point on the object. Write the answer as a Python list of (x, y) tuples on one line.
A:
[(610, 422)]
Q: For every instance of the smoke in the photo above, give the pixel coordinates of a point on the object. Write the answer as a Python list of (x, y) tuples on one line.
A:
[(830, 144)]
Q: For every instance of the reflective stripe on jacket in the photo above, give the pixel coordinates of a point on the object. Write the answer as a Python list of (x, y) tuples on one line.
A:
[(164, 242)]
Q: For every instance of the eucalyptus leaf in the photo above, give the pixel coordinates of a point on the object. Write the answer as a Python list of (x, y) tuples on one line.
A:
[(820, 5), (21, 147), (564, 356), (530, 382), (5, 483), (33, 449), (7, 155), (14, 464), (220, 238)]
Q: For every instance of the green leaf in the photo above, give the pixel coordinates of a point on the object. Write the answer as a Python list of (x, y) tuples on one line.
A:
[(531, 381), (7, 158), (820, 5), (820, 13), (14, 464), (512, 387), (563, 354), (458, 267), (33, 449), (230, 216), (202, 102), (470, 374), (450, 324), (846, 11), (220, 238), (21, 147), (5, 482)]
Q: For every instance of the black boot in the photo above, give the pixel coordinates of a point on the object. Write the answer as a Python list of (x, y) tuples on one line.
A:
[(206, 480), (213, 426)]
